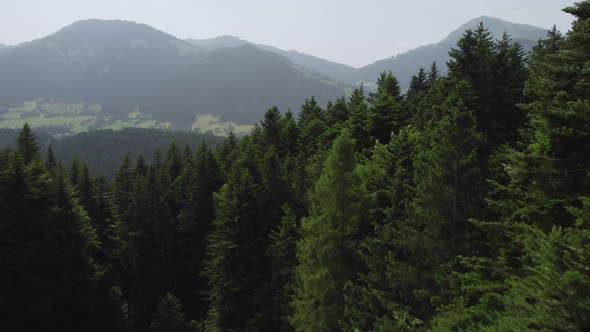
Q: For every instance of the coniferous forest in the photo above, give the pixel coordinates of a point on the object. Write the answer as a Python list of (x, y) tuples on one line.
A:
[(461, 204)]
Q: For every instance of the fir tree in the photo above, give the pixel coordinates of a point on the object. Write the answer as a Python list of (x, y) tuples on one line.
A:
[(283, 258), (26, 145), (358, 121), (168, 316), (326, 251)]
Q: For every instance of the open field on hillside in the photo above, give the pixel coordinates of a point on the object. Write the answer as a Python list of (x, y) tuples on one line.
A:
[(81, 117)]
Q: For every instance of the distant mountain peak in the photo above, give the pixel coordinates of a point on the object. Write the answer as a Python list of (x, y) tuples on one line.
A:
[(100, 23), (99, 29), (126, 67), (497, 27), (406, 64)]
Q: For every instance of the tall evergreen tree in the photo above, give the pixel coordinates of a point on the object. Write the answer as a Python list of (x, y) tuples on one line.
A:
[(326, 252), (495, 71), (283, 258), (235, 267), (168, 316), (358, 121), (202, 180), (433, 74), (49, 250), (26, 145)]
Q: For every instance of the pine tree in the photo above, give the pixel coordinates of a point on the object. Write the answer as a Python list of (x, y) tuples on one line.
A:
[(226, 155), (74, 172), (495, 71), (359, 121), (173, 162), (550, 174), (385, 114), (50, 249), (168, 316), (201, 179), (283, 257), (418, 84), (26, 145), (85, 188), (388, 84), (433, 74), (507, 281), (337, 118), (50, 162), (448, 192), (234, 266), (326, 252), (371, 300), (554, 293), (312, 127)]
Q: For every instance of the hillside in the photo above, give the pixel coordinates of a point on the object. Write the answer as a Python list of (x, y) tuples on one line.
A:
[(406, 64), (333, 70), (403, 65), (124, 67), (97, 74)]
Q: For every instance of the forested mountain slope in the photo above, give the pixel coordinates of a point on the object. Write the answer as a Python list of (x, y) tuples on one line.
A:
[(126, 67), (462, 204), (402, 65)]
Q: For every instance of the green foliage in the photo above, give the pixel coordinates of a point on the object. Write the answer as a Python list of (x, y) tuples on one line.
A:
[(282, 251), (168, 316), (50, 251), (26, 145), (233, 267), (554, 292), (434, 210), (326, 250)]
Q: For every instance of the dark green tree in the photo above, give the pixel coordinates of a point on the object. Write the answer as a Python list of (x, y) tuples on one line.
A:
[(26, 145), (283, 259), (168, 316), (326, 252)]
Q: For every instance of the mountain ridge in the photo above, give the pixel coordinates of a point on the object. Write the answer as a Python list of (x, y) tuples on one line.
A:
[(126, 66), (402, 64)]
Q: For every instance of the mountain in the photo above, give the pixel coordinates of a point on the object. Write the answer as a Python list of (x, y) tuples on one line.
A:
[(333, 70), (403, 65), (406, 64), (218, 42), (125, 67), (112, 74)]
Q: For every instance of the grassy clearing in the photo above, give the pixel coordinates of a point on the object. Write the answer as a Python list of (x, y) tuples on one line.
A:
[(209, 122), (80, 117)]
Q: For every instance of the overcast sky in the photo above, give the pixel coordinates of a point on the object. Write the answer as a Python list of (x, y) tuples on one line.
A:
[(355, 32)]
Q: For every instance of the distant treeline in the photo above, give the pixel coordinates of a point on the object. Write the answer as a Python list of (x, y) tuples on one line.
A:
[(103, 150)]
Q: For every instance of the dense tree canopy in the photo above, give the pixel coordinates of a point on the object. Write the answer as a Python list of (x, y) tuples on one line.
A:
[(462, 204)]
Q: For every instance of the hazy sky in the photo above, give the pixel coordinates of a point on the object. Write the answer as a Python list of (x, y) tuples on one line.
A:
[(355, 32)]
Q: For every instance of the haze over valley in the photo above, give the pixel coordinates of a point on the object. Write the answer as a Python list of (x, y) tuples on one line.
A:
[(111, 74)]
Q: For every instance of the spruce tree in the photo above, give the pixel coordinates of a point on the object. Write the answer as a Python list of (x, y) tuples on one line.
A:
[(326, 252), (168, 316), (283, 242), (433, 74), (359, 121), (201, 180), (26, 145), (49, 249), (234, 266)]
